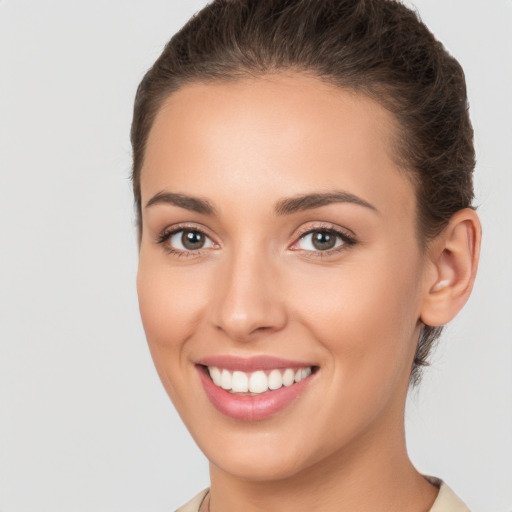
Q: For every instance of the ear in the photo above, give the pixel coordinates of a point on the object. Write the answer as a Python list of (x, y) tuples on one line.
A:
[(453, 261)]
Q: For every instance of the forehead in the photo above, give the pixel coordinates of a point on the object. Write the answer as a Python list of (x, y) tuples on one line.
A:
[(288, 132)]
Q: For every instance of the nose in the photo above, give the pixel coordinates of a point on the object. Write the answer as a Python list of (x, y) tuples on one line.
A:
[(249, 300)]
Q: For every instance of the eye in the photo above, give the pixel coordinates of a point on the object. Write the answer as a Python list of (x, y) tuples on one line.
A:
[(323, 240), (186, 240)]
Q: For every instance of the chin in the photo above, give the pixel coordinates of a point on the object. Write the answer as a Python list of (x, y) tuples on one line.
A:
[(258, 467), (270, 451)]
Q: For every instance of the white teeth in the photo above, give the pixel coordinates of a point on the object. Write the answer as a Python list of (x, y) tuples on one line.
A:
[(275, 380), (225, 380), (215, 375), (256, 382), (305, 372), (288, 377), (240, 382)]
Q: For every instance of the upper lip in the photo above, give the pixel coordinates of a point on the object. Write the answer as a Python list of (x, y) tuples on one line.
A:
[(251, 364)]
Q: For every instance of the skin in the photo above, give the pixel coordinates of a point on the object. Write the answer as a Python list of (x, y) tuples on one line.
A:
[(259, 288)]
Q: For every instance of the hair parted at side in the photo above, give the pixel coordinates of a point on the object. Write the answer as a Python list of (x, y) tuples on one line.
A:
[(377, 47)]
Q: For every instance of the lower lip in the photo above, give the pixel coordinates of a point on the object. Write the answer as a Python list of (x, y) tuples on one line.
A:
[(251, 408)]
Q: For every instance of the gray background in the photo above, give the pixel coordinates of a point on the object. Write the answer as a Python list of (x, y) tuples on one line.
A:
[(85, 425)]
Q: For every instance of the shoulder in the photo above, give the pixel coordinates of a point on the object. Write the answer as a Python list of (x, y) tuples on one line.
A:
[(447, 500), (194, 504)]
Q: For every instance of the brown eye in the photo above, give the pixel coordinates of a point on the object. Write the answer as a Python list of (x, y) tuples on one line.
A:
[(192, 240), (187, 240), (323, 240)]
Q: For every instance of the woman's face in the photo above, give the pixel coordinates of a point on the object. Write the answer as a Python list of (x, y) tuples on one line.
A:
[(278, 240)]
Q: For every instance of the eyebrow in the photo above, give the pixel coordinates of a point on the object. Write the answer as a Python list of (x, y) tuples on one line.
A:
[(194, 204), (310, 201), (285, 206)]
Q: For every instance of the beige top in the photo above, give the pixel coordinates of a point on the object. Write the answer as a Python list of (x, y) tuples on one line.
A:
[(446, 501)]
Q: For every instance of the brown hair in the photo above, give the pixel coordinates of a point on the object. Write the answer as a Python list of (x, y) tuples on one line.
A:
[(377, 47)]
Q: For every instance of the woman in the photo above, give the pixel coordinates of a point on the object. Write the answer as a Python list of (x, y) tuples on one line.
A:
[(303, 179)]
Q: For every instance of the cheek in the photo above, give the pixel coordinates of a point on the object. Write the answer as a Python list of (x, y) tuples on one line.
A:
[(366, 316), (170, 301), (171, 304), (366, 320)]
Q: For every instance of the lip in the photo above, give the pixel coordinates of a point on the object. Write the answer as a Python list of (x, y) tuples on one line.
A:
[(255, 407)]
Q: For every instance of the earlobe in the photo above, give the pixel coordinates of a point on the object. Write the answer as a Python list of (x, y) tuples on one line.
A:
[(454, 260)]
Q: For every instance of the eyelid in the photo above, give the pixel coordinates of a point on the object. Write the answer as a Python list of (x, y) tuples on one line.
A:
[(165, 234), (327, 226), (347, 236)]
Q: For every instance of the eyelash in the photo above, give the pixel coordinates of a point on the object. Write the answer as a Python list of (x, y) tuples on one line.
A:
[(166, 235), (347, 241)]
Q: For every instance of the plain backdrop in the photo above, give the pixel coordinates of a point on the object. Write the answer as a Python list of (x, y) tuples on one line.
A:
[(85, 424)]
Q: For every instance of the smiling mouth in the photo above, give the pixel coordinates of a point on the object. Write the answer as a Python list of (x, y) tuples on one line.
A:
[(253, 389), (257, 382)]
